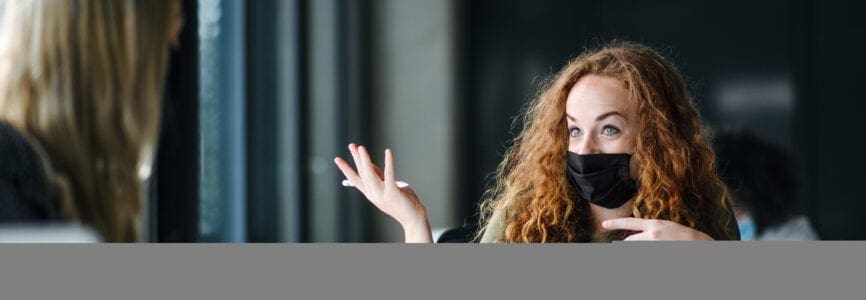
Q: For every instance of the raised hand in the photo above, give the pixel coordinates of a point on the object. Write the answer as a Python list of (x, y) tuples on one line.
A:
[(380, 188)]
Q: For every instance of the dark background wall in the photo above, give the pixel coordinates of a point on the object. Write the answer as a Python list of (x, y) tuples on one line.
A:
[(788, 70)]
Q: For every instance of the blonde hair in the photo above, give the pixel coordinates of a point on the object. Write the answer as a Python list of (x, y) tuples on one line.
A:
[(82, 79), (677, 178)]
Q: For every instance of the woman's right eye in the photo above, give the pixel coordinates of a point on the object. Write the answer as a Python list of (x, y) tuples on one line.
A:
[(574, 132)]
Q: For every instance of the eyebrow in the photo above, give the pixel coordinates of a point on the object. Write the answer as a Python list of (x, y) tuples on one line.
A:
[(600, 117)]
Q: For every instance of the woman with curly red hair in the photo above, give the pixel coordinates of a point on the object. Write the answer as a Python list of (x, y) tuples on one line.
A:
[(612, 148)]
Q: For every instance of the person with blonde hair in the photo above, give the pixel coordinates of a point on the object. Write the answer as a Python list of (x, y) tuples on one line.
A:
[(613, 148), (80, 91)]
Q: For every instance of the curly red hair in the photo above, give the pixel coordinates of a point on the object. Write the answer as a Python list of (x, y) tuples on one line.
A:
[(677, 178)]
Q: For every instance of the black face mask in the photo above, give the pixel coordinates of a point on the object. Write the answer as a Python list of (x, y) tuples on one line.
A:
[(601, 179)]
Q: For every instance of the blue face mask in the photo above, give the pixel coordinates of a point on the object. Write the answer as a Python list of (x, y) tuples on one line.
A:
[(747, 228)]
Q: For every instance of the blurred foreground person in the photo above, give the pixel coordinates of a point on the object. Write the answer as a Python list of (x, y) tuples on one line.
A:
[(80, 91)]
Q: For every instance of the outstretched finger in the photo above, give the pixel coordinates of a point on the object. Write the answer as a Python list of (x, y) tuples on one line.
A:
[(371, 180), (356, 157), (350, 173), (635, 224), (389, 169), (353, 150)]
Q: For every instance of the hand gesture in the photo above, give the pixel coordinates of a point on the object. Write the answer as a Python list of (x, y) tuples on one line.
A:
[(655, 230), (381, 189)]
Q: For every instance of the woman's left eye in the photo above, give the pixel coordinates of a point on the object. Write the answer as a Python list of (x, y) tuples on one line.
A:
[(610, 130)]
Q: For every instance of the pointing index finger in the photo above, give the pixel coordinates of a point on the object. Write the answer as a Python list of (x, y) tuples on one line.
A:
[(635, 224)]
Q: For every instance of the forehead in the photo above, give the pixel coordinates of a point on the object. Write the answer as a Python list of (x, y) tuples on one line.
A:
[(593, 95)]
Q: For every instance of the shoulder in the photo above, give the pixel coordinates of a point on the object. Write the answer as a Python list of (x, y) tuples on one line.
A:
[(495, 228), (25, 194)]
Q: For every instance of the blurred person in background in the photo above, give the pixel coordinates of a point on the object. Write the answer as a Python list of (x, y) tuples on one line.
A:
[(80, 90), (763, 185), (613, 148)]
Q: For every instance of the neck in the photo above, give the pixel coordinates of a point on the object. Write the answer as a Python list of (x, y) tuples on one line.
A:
[(600, 214)]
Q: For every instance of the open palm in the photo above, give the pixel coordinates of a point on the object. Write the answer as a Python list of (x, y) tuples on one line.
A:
[(381, 189)]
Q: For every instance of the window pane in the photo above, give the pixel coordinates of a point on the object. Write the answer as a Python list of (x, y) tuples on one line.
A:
[(222, 119)]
